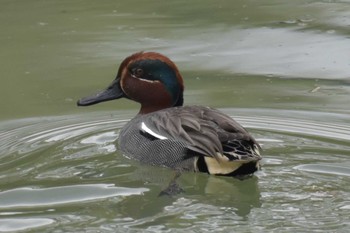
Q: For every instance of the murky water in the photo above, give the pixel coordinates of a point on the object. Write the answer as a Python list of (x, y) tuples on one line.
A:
[(279, 68)]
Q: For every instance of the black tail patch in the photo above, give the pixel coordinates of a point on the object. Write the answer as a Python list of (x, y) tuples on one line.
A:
[(201, 165), (245, 169)]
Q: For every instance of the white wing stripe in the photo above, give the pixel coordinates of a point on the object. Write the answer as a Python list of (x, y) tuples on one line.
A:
[(149, 131)]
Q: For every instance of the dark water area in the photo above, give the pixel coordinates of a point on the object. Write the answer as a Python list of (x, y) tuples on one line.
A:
[(280, 68)]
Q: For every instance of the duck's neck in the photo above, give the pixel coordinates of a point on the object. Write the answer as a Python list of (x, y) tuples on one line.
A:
[(180, 100), (162, 103), (150, 108)]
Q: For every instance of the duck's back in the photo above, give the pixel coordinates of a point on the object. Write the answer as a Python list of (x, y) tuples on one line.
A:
[(188, 138)]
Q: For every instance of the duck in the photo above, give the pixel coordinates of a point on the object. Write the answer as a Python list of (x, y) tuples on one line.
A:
[(165, 132)]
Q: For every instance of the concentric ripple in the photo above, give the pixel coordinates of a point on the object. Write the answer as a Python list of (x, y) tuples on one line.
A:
[(27, 135), (62, 172)]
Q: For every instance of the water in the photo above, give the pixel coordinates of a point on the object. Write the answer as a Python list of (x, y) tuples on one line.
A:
[(279, 68), (64, 174)]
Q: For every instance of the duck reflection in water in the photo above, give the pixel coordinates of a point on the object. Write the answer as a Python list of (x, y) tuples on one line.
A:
[(236, 198)]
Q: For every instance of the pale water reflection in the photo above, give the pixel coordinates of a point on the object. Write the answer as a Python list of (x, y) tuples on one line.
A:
[(286, 52)]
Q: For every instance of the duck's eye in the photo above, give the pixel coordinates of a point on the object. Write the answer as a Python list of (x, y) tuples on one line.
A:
[(138, 72)]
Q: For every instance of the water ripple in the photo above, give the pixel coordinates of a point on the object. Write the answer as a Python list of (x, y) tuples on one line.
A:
[(51, 165), (34, 197), (331, 169), (304, 127), (20, 224)]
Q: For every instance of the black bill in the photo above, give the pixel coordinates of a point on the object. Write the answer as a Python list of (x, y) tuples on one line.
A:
[(112, 92)]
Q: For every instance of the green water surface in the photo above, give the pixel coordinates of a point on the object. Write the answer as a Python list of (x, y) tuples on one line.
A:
[(280, 68)]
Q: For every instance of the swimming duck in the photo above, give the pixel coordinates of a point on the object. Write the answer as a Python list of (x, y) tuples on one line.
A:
[(166, 133)]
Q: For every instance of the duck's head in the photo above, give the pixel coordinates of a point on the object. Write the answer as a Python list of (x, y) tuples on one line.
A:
[(149, 78)]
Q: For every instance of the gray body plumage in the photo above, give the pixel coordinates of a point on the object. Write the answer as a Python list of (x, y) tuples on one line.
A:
[(140, 146), (181, 137)]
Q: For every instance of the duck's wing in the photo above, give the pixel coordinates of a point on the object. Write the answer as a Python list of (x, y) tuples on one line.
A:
[(203, 130), (237, 143)]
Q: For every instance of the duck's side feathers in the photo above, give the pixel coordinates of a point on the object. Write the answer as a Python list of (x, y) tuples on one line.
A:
[(205, 131)]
